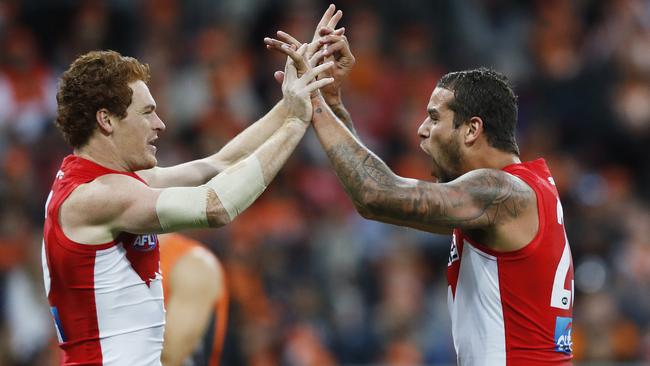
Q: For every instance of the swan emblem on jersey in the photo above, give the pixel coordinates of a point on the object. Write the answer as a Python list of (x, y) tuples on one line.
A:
[(145, 243)]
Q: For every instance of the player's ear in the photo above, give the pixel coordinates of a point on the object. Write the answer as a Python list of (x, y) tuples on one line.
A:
[(104, 121), (473, 130)]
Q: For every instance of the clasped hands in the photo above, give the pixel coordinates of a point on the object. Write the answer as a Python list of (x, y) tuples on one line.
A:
[(313, 69)]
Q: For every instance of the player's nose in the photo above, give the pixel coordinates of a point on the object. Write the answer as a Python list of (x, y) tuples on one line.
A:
[(158, 124), (423, 130)]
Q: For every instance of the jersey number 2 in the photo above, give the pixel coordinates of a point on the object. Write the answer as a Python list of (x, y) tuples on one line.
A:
[(560, 297)]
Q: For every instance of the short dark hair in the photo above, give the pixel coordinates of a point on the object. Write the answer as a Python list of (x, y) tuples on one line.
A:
[(486, 94), (96, 80)]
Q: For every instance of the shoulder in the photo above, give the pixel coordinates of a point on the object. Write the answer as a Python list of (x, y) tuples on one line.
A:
[(96, 201), (487, 176), (497, 197), (504, 209), (492, 184), (107, 188)]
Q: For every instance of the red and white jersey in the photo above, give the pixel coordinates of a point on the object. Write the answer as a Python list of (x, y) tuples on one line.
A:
[(515, 308), (106, 299)]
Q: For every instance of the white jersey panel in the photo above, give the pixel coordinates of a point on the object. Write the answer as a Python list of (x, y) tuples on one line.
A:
[(46, 270), (142, 347), (130, 314), (478, 306)]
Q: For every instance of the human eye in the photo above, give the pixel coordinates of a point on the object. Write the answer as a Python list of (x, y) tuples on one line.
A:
[(434, 116), (149, 110)]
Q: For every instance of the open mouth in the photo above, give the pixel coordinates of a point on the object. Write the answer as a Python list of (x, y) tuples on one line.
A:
[(422, 146), (152, 145)]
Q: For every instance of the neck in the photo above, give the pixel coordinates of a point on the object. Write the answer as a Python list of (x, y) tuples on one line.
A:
[(104, 153), (494, 159)]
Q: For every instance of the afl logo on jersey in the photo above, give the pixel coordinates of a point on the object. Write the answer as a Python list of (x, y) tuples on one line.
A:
[(145, 243), (453, 252)]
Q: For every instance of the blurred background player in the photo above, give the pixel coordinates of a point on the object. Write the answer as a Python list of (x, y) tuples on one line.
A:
[(196, 302)]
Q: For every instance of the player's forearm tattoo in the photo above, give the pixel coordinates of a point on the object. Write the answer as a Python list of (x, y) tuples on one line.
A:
[(483, 198), (343, 115), (349, 164)]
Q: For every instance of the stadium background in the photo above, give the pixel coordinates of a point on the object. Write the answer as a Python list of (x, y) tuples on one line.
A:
[(312, 283)]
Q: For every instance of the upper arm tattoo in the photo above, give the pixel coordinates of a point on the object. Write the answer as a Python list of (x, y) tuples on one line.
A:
[(489, 197)]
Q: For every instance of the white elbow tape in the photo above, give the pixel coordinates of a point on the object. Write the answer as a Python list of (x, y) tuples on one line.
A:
[(182, 208), (239, 186)]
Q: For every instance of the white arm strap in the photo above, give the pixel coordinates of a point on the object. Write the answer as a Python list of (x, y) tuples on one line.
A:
[(236, 187), (239, 186)]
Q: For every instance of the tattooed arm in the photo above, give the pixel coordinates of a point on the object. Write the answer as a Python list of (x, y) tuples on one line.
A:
[(337, 107), (480, 199), (335, 47)]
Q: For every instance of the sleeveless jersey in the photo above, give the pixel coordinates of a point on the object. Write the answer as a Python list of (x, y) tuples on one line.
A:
[(515, 308), (208, 352), (106, 299)]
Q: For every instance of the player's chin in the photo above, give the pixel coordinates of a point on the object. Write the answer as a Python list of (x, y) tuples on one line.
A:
[(153, 161), (149, 161)]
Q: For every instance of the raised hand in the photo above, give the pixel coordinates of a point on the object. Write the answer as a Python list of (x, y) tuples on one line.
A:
[(335, 47), (329, 20), (297, 90), (328, 44), (302, 62)]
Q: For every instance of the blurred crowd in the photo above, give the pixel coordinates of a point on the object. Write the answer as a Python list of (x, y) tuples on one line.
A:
[(313, 283)]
